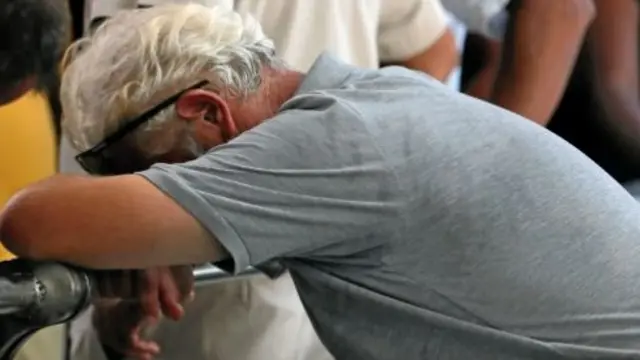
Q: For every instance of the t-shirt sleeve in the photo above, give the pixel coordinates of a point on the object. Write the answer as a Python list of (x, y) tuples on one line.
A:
[(486, 17), (306, 184), (409, 27)]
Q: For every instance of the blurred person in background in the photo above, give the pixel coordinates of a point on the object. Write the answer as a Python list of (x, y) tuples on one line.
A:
[(459, 31), (34, 35), (600, 112), (529, 50), (261, 318)]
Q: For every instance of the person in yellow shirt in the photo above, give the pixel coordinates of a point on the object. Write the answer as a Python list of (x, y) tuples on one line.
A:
[(30, 51), (28, 149), (28, 154), (34, 37)]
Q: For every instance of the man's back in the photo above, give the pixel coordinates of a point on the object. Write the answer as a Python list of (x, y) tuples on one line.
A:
[(441, 226), (494, 234)]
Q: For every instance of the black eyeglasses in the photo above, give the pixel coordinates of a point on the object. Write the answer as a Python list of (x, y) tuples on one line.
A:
[(109, 157)]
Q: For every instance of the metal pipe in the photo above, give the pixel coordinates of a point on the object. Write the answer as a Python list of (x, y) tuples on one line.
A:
[(209, 274), (32, 286), (36, 295), (14, 296)]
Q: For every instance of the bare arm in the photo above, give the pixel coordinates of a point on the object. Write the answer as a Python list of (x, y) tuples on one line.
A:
[(613, 47), (438, 60), (540, 48), (104, 223), (482, 84), (415, 34)]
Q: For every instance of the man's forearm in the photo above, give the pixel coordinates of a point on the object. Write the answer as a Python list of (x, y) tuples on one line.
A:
[(540, 48), (104, 223)]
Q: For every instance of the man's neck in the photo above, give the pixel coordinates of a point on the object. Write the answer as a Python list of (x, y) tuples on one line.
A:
[(278, 86), (281, 85)]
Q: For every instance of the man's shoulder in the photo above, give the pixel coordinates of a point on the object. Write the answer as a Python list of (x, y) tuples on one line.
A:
[(313, 118), (364, 89)]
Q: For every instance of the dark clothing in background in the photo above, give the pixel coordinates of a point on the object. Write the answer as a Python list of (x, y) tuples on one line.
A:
[(580, 120)]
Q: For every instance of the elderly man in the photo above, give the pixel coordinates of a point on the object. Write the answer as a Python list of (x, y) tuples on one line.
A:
[(416, 222), (359, 33)]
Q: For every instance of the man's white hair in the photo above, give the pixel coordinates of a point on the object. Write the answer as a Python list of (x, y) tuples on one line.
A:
[(139, 58)]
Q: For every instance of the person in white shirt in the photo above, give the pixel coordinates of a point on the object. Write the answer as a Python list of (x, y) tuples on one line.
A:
[(260, 318)]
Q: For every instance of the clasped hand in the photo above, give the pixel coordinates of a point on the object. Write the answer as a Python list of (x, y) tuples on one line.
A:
[(132, 300)]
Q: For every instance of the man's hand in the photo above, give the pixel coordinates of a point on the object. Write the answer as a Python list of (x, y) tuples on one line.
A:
[(136, 300), (119, 325)]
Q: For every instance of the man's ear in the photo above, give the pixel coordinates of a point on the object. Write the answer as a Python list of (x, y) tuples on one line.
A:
[(204, 105)]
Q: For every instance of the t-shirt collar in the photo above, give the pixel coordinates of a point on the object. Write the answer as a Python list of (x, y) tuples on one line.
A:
[(327, 72)]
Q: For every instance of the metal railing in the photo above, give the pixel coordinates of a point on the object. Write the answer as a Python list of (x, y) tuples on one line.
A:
[(37, 295)]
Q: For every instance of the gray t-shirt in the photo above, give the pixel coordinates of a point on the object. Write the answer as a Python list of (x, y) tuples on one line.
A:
[(419, 223)]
